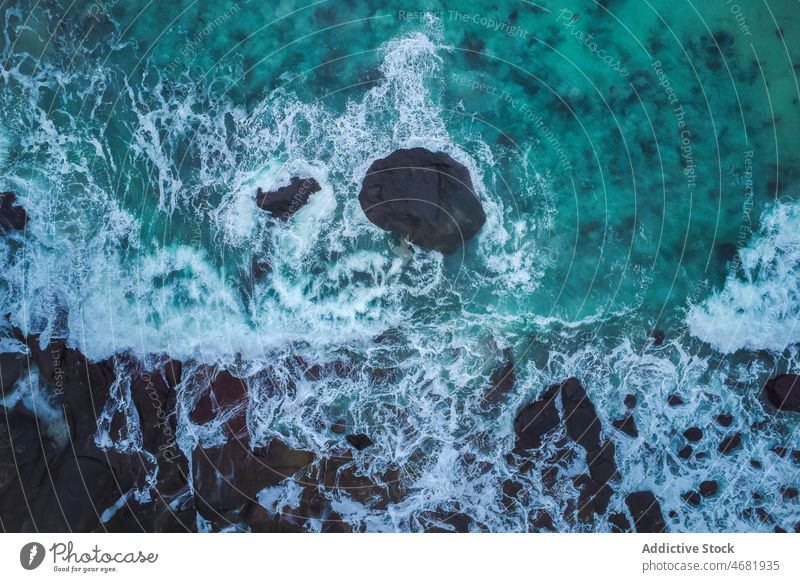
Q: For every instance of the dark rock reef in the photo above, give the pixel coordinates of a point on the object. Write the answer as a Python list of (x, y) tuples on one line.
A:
[(783, 392), (582, 425), (12, 215), (285, 201), (425, 196), (646, 512)]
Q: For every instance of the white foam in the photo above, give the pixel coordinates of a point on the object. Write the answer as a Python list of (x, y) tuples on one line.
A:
[(759, 304)]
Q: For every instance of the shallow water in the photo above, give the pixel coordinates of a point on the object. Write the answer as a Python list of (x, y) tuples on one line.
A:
[(651, 188)]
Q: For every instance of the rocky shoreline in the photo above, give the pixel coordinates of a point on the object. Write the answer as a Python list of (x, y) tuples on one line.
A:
[(101, 478)]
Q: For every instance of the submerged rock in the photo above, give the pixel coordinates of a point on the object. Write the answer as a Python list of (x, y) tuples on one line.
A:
[(12, 215), (287, 200), (783, 392), (424, 196), (646, 512)]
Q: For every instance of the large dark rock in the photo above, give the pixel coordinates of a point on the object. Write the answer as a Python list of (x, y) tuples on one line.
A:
[(580, 417), (12, 216), (424, 196), (536, 420), (83, 488), (81, 387), (783, 392), (153, 395), (646, 512), (285, 201)]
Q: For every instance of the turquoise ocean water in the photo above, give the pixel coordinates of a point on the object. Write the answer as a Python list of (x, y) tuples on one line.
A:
[(637, 159)]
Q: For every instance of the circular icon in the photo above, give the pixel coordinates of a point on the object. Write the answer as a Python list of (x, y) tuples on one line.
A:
[(31, 555)]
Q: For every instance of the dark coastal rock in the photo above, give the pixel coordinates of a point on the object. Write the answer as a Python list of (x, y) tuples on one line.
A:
[(685, 452), (646, 512), (284, 202), (630, 400), (602, 464), (359, 441), (340, 475), (693, 434), (424, 196), (501, 382), (534, 421), (227, 478), (784, 453), (260, 520), (619, 523), (12, 366), (580, 417), (709, 488), (153, 395), (783, 392), (541, 521), (582, 427), (626, 425), (511, 492), (692, 498), (225, 392), (447, 521), (658, 337), (12, 215), (83, 488), (730, 443), (759, 514), (593, 499), (675, 400), (25, 456), (339, 426), (789, 492), (81, 387), (724, 419)]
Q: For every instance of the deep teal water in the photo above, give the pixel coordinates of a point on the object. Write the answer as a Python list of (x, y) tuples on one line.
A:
[(642, 178)]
